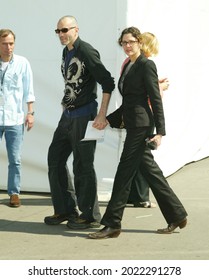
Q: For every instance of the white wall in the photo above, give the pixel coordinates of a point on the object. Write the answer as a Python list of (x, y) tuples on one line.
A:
[(182, 27)]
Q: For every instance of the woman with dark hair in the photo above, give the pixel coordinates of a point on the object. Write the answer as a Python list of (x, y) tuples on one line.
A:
[(138, 85), (139, 194)]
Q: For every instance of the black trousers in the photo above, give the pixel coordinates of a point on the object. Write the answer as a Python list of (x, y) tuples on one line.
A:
[(139, 189), (136, 156), (66, 141)]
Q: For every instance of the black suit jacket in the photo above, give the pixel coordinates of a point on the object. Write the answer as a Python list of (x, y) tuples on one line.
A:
[(141, 83)]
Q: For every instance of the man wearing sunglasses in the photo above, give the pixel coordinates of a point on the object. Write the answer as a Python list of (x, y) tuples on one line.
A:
[(82, 69)]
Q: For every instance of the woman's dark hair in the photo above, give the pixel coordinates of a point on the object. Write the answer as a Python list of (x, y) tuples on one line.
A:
[(134, 31)]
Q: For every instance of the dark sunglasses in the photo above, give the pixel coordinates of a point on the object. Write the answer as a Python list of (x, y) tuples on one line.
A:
[(63, 30)]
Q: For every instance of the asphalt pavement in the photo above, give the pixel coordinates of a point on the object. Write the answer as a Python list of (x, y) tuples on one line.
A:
[(24, 236)]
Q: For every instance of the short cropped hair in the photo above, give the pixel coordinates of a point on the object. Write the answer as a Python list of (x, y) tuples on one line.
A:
[(6, 32)]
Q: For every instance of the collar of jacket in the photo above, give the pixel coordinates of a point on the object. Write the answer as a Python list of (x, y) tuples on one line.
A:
[(77, 43), (140, 57)]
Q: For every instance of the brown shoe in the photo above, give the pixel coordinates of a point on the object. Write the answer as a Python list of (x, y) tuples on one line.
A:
[(106, 232), (14, 201), (171, 227)]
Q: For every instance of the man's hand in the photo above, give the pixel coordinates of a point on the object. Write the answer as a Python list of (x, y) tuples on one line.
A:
[(29, 121), (100, 122)]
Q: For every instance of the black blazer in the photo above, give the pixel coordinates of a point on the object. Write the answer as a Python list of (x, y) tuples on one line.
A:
[(141, 83)]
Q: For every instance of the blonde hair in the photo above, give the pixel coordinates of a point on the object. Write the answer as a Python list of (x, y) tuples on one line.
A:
[(150, 44)]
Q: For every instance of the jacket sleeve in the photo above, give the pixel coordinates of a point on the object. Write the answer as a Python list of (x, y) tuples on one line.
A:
[(115, 119), (152, 88)]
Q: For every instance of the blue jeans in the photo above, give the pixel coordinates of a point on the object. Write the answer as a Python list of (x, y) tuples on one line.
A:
[(14, 138)]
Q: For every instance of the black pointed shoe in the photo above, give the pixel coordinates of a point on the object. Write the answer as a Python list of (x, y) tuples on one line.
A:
[(106, 232), (171, 227)]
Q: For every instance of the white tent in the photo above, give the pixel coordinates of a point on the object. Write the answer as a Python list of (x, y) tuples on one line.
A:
[(182, 27)]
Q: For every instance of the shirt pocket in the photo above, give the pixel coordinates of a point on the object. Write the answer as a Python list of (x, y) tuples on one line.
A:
[(13, 82)]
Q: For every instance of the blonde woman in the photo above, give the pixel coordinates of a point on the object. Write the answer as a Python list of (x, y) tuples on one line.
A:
[(139, 194)]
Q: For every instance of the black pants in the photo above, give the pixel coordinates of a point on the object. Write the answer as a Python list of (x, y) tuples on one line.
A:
[(66, 141), (139, 189), (136, 156)]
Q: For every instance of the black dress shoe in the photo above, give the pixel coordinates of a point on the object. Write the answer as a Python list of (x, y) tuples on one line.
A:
[(57, 219), (171, 227), (82, 224), (106, 232)]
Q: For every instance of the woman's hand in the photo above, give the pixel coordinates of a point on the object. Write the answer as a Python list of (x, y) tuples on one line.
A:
[(164, 84), (157, 139)]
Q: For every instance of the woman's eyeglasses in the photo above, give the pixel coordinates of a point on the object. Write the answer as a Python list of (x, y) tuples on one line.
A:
[(130, 43), (63, 30)]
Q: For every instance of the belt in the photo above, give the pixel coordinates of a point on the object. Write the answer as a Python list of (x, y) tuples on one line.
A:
[(74, 112)]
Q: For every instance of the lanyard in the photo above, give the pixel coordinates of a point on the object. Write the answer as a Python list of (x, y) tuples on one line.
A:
[(3, 72)]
